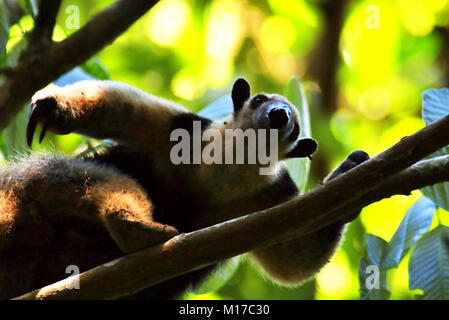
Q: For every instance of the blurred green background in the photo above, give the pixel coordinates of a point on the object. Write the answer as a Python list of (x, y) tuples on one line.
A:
[(363, 64)]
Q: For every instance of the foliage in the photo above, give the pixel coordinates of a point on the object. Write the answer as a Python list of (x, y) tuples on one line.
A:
[(429, 265), (435, 106), (386, 255)]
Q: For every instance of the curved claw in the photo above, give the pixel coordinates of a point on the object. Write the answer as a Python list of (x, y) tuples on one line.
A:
[(43, 132), (33, 120), (41, 112)]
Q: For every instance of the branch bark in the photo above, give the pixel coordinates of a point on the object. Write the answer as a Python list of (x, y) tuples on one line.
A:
[(15, 12), (380, 177), (325, 57), (45, 21), (38, 68)]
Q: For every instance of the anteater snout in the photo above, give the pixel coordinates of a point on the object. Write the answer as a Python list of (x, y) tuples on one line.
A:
[(279, 116)]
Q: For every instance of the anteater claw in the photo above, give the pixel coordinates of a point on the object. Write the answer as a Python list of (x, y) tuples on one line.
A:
[(43, 132), (33, 120), (45, 112)]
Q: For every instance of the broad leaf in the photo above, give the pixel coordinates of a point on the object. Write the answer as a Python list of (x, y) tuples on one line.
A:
[(415, 223), (436, 106), (220, 108), (12, 58), (219, 277), (95, 68), (4, 29), (372, 277), (429, 265), (74, 75), (299, 168)]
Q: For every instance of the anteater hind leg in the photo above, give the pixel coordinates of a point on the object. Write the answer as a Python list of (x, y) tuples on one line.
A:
[(38, 194), (296, 260)]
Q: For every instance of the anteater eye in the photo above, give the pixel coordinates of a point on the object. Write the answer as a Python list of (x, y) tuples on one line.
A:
[(258, 100)]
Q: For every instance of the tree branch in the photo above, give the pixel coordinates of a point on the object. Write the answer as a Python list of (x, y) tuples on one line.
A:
[(325, 57), (422, 174), (45, 21), (15, 12), (373, 180), (37, 69)]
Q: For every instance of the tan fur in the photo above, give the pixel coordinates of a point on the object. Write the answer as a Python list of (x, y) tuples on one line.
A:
[(117, 194), (9, 204), (295, 261), (138, 117)]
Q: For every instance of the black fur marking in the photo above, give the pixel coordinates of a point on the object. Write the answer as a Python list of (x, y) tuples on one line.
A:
[(303, 148), (284, 187), (295, 133), (240, 93), (257, 101), (353, 160), (174, 204), (167, 196), (185, 121)]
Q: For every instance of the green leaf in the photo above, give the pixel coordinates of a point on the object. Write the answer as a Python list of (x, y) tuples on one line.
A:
[(4, 29), (219, 277), (295, 94), (375, 247), (415, 223), (370, 269), (220, 108), (436, 106), (3, 148), (14, 54), (429, 265), (29, 6), (299, 168), (15, 134), (95, 68), (74, 75)]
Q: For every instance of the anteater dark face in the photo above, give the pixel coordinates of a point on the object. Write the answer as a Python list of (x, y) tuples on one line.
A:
[(275, 112), (271, 111)]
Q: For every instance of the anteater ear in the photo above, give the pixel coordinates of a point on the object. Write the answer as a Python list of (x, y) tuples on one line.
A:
[(303, 148), (240, 93)]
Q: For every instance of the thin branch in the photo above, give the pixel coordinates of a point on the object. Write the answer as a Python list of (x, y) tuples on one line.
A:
[(100, 31), (38, 69), (45, 21), (15, 12), (327, 204), (325, 57)]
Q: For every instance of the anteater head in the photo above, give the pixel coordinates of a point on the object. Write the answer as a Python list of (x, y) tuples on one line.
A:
[(271, 111)]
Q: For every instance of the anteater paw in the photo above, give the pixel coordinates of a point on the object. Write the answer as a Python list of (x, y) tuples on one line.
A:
[(46, 113), (353, 160)]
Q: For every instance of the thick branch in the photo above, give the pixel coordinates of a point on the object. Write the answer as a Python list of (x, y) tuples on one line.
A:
[(326, 204), (36, 70), (422, 174)]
